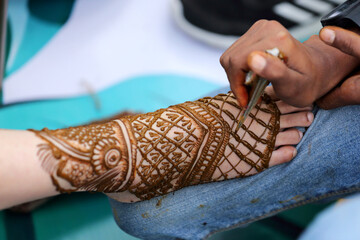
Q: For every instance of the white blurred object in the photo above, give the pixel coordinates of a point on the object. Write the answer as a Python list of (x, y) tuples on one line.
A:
[(107, 41)]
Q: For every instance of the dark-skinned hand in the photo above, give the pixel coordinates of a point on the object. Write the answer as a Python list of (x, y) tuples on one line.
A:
[(348, 91), (312, 69)]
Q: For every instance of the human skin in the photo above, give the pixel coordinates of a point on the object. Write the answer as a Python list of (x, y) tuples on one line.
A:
[(348, 92), (312, 68), (34, 164)]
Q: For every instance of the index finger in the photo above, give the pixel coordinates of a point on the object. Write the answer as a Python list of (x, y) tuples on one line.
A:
[(238, 88)]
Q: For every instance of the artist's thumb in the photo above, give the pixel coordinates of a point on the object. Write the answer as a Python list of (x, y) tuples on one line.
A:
[(344, 40)]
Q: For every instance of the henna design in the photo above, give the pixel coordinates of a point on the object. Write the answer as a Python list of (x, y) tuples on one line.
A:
[(153, 154)]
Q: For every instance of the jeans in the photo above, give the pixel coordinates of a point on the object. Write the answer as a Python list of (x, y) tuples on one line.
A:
[(326, 166)]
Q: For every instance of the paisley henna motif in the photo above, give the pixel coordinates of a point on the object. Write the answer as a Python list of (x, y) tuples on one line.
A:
[(156, 153)]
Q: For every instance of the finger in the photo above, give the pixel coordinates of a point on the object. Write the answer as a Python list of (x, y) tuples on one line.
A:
[(345, 40), (346, 94), (288, 137), (241, 95), (269, 90), (331, 100), (282, 155), (274, 70), (301, 119), (239, 90), (285, 108)]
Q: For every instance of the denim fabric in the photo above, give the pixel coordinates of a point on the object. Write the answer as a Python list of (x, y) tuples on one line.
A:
[(327, 166), (340, 221)]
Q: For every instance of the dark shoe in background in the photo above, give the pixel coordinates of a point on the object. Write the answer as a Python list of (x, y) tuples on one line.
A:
[(221, 22)]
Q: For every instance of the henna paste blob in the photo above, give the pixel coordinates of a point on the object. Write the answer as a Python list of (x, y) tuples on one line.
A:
[(156, 153)]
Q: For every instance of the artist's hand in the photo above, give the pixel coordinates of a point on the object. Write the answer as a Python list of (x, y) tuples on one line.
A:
[(348, 92), (312, 68)]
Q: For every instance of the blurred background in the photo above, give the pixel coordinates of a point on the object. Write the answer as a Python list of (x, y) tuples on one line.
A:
[(70, 62)]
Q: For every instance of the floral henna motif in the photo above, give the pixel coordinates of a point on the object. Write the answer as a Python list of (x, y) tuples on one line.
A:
[(96, 157), (157, 153)]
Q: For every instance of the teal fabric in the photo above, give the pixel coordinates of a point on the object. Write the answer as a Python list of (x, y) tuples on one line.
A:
[(38, 33), (42, 24), (2, 227), (139, 94), (84, 216), (77, 217)]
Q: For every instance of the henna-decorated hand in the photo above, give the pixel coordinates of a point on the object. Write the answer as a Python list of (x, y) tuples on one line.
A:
[(312, 68), (348, 92), (147, 155)]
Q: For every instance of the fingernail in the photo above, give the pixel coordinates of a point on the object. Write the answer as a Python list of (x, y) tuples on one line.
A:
[(258, 62), (328, 35), (294, 153), (301, 134), (310, 117)]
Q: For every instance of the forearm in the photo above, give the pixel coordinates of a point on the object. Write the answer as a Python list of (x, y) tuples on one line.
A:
[(22, 177)]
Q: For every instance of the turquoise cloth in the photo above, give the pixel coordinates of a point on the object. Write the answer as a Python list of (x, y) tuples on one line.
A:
[(84, 216), (77, 217)]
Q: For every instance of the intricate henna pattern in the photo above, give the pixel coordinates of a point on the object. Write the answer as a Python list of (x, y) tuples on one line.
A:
[(156, 153)]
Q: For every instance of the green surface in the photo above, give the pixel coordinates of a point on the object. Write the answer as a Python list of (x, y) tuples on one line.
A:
[(255, 231), (44, 21), (38, 33), (2, 226), (139, 94), (287, 225), (77, 216), (302, 216), (54, 11)]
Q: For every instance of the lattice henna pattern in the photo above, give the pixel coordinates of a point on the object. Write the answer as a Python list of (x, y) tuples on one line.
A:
[(153, 154)]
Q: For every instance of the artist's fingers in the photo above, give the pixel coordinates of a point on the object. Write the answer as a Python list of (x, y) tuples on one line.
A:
[(276, 71), (300, 119), (289, 137), (285, 108), (240, 93), (346, 94), (282, 155), (345, 40)]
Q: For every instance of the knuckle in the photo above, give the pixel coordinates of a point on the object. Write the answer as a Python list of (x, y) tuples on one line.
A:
[(313, 37), (223, 60), (261, 22), (290, 43), (274, 23)]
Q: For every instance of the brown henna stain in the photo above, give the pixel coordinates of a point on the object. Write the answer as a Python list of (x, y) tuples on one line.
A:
[(179, 146), (159, 202), (145, 215), (201, 206), (116, 216), (295, 198), (255, 200)]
